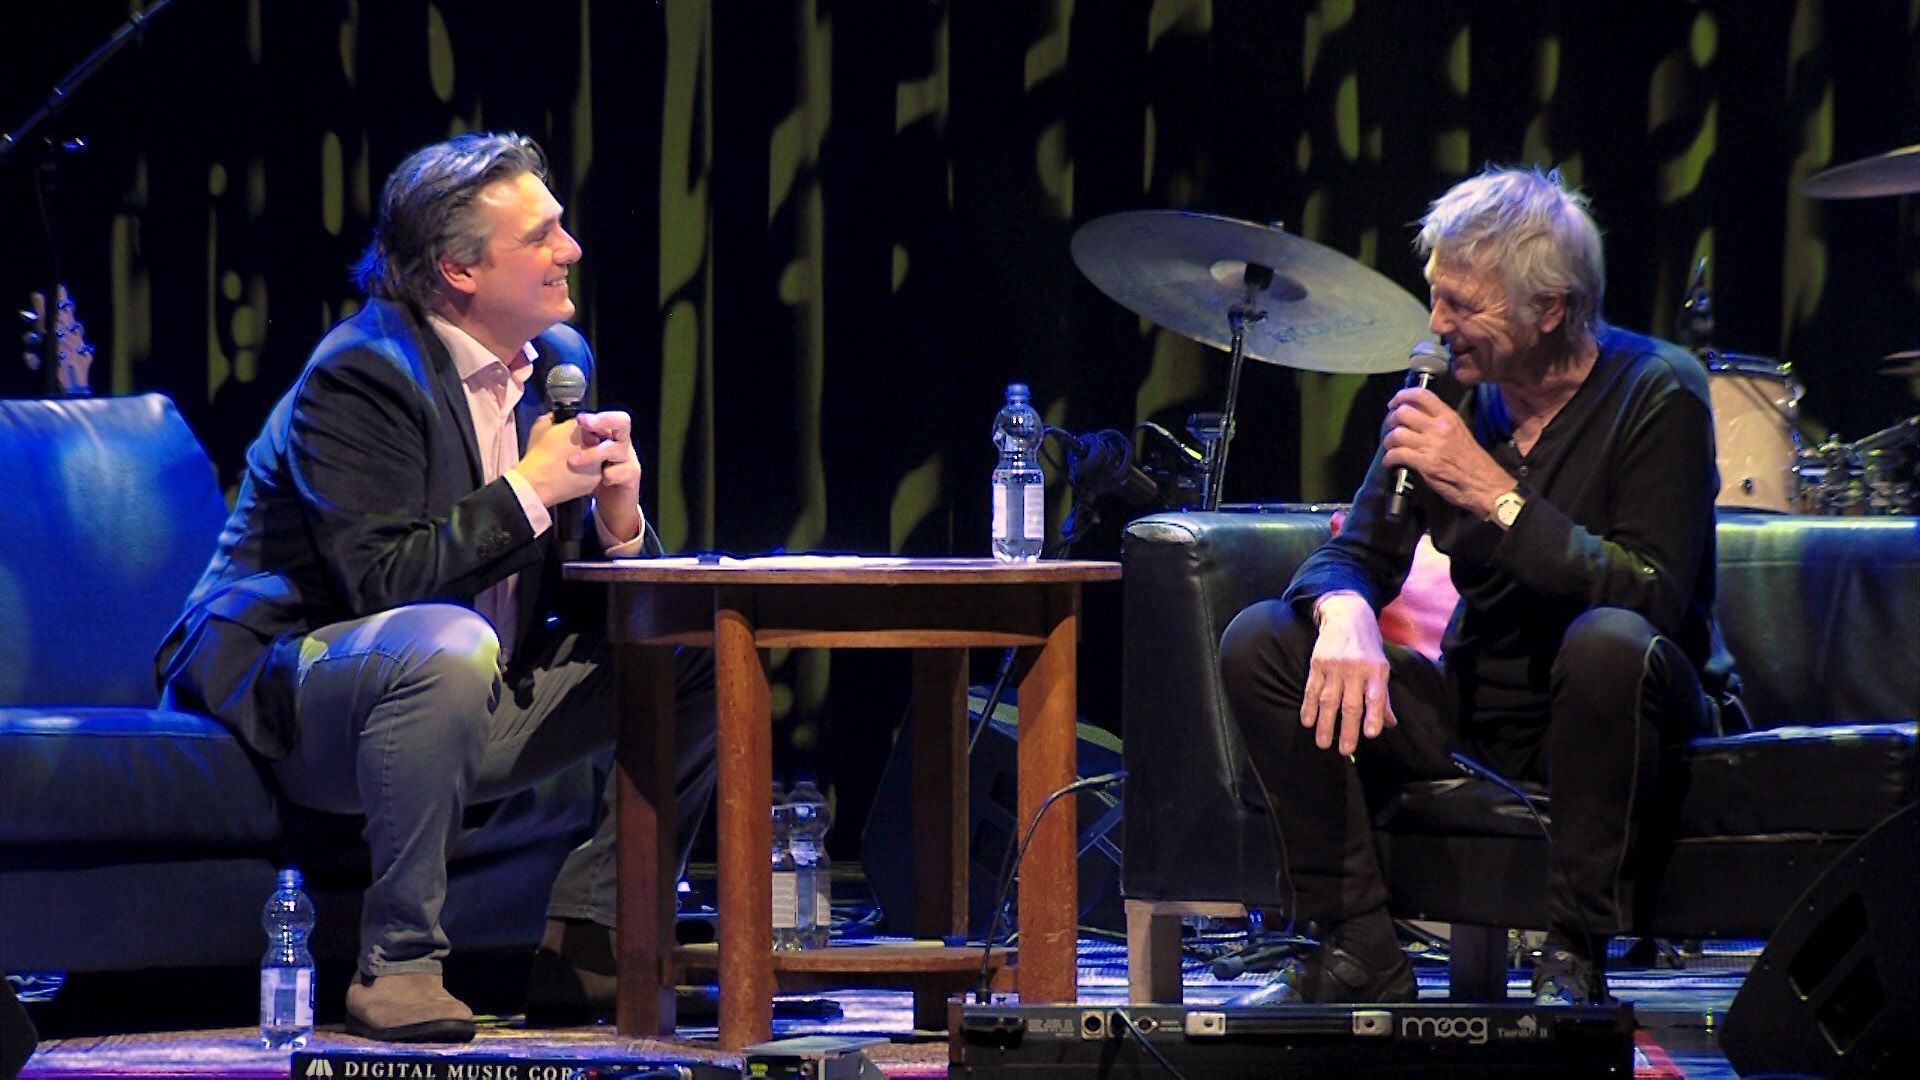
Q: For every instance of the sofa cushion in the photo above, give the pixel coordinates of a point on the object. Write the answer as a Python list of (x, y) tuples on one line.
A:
[(1832, 780), (1824, 781), (112, 510), (128, 776)]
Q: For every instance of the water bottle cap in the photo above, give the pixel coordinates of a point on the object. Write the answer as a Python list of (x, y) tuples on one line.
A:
[(1017, 392), (289, 878)]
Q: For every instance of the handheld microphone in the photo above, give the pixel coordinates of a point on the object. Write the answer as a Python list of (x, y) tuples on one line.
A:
[(566, 389), (1429, 361)]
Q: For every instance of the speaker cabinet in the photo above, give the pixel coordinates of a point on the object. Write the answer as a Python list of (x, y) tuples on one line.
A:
[(886, 848), (1834, 991)]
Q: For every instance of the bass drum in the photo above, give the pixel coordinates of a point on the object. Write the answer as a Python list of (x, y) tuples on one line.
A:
[(1756, 403)]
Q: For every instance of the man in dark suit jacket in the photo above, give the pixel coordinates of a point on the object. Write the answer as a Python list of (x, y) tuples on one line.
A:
[(375, 621)]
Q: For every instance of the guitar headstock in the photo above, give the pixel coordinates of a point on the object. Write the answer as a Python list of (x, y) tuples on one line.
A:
[(71, 351)]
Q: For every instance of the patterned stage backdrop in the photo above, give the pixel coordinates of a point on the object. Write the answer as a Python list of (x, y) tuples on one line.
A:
[(822, 236)]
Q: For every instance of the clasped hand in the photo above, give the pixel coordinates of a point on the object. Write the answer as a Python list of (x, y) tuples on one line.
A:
[(591, 454)]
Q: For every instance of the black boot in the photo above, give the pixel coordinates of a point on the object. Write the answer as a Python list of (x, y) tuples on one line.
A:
[(1571, 970), (572, 980), (1359, 961)]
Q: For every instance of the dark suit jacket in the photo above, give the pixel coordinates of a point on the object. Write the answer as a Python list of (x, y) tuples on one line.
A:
[(362, 493)]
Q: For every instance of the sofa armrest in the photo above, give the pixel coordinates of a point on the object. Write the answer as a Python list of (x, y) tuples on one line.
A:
[(1191, 800)]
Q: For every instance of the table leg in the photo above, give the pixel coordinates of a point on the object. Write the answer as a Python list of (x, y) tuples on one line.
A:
[(646, 848), (939, 793), (743, 728), (1049, 873)]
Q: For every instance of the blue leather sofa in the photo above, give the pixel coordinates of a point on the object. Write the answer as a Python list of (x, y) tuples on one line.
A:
[(133, 837)]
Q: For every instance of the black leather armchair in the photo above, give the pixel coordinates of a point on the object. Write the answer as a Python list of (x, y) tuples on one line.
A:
[(133, 837), (1822, 616)]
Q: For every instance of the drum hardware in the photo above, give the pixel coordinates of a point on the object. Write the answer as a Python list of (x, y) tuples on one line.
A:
[(1177, 468), (1694, 327), (1889, 459), (1256, 292), (1875, 475)]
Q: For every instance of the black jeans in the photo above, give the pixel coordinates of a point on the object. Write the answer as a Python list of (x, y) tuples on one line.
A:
[(1590, 726)]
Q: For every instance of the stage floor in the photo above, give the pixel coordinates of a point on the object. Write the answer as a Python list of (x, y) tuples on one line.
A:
[(1678, 1010)]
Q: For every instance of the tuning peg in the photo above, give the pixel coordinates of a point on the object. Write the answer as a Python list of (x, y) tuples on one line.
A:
[(32, 339), (29, 316)]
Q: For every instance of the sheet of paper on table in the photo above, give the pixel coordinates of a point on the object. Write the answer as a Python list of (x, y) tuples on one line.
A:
[(773, 562)]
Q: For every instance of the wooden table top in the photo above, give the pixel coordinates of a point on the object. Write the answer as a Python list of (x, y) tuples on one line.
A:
[(840, 570)]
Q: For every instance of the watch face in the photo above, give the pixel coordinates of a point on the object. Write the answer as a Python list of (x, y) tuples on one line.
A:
[(1506, 509)]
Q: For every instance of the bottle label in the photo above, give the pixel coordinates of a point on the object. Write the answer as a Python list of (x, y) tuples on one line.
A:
[(1036, 513), (286, 997), (1000, 495), (786, 901), (823, 903)]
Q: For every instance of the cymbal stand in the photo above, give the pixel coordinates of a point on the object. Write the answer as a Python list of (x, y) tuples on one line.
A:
[(1257, 278)]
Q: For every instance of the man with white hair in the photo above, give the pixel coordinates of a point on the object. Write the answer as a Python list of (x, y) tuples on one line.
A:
[(1573, 489)]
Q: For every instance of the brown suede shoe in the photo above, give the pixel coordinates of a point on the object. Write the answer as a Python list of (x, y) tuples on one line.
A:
[(572, 979), (409, 1007)]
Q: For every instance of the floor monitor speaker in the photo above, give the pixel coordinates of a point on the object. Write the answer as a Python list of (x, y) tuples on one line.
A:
[(1834, 992)]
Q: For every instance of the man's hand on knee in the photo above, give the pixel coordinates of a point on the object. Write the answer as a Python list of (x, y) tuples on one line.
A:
[(1346, 691)]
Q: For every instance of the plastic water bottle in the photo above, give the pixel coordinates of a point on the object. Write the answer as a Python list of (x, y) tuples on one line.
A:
[(1019, 488), (811, 818), (786, 878), (286, 971)]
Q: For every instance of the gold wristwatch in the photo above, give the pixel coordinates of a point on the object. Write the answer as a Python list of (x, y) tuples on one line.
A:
[(1506, 508)]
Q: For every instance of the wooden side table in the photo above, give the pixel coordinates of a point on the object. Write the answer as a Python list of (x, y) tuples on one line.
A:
[(938, 608)]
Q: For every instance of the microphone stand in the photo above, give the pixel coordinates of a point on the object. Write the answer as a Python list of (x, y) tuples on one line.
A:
[(1256, 279), (47, 177)]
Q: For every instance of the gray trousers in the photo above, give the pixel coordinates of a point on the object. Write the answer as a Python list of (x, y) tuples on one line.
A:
[(404, 717)]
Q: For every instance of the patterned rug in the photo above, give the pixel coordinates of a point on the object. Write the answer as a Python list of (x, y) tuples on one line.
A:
[(235, 1054), (1666, 1002)]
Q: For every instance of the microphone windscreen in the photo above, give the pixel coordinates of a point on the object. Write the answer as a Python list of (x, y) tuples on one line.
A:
[(1427, 358), (566, 386)]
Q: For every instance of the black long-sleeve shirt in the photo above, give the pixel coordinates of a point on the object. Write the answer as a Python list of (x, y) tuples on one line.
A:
[(1619, 512)]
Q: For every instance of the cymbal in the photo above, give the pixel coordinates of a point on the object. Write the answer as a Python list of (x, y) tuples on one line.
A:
[(1901, 365), (1182, 271), (1896, 172)]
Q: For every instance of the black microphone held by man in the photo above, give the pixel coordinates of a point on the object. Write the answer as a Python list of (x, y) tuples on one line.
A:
[(566, 389), (1429, 362)]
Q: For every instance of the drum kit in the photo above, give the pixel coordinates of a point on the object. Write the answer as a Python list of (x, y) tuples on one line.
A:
[(1767, 458), (1258, 292)]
